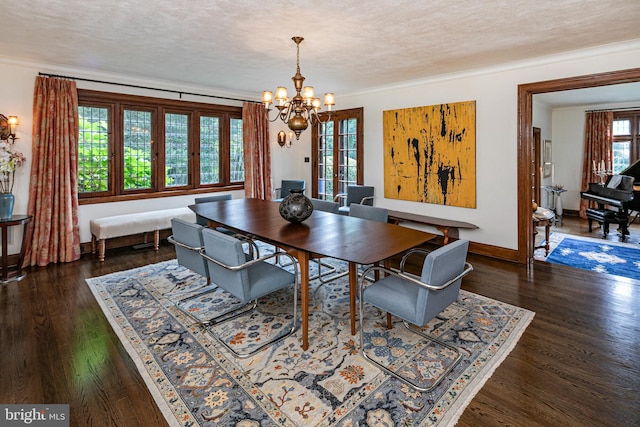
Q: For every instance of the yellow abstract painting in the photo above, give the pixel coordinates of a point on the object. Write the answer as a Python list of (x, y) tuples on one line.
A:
[(430, 154)]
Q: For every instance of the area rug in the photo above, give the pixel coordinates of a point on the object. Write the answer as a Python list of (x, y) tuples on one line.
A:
[(602, 256), (196, 382)]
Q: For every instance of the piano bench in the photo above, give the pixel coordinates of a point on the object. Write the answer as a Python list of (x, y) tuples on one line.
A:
[(606, 217)]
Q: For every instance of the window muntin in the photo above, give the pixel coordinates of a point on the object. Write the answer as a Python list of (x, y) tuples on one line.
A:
[(347, 138), (94, 166), (209, 150), (338, 147), (622, 127), (325, 161), (621, 156), (237, 151), (626, 139), (137, 157), (176, 150), (137, 147)]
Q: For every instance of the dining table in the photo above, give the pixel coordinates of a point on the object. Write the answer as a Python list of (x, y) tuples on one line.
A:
[(324, 234)]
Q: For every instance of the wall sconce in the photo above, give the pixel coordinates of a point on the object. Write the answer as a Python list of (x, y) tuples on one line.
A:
[(283, 140), (8, 128)]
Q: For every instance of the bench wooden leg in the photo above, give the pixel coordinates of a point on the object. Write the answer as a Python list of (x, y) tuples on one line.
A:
[(445, 233), (101, 248), (93, 244), (156, 240)]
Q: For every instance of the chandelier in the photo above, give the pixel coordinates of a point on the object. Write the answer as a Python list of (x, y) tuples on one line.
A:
[(303, 108)]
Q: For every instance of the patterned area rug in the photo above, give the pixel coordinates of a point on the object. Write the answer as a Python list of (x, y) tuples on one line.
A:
[(602, 256), (196, 382)]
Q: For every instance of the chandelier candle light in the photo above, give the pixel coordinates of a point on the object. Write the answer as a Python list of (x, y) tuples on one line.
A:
[(303, 108)]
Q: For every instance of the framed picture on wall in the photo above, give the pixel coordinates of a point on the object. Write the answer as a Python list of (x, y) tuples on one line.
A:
[(546, 158)]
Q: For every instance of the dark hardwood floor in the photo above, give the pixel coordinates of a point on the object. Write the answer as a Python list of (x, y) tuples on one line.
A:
[(577, 364)]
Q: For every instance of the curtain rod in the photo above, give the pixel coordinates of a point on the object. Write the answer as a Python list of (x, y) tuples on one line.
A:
[(613, 109), (180, 93)]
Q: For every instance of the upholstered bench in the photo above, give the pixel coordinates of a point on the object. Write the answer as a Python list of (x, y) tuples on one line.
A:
[(605, 217), (134, 223)]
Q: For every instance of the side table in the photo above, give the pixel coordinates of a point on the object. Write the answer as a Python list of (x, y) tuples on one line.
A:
[(543, 218), (12, 273), (556, 201)]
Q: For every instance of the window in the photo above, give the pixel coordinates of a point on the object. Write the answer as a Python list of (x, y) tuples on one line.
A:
[(626, 139), (137, 147), (337, 153)]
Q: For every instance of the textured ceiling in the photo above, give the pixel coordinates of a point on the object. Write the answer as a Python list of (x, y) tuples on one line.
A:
[(246, 46)]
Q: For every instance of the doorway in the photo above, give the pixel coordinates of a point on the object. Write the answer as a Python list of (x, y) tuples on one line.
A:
[(526, 141), (337, 153)]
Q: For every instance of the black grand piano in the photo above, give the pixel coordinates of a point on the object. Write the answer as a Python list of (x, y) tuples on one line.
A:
[(621, 192)]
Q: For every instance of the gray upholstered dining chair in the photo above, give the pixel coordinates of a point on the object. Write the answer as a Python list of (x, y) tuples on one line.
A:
[(416, 300), (372, 213), (187, 238), (246, 280), (215, 198), (331, 207), (325, 205), (287, 185), (359, 194)]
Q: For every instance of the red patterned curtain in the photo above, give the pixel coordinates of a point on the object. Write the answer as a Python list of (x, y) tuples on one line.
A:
[(53, 191), (257, 151), (598, 143)]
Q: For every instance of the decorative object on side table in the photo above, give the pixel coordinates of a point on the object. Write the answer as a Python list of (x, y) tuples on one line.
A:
[(296, 207), (555, 191), (10, 160)]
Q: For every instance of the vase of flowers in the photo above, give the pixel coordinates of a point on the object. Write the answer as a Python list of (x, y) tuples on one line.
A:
[(10, 160)]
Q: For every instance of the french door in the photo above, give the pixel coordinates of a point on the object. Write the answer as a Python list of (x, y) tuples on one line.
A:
[(337, 156)]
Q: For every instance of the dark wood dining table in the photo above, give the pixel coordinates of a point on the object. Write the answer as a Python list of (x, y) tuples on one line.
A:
[(323, 234)]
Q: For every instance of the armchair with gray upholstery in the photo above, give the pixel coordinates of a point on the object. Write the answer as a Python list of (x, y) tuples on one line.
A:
[(215, 198), (417, 300), (247, 280), (188, 241), (286, 186), (372, 213), (325, 205), (187, 238), (360, 194)]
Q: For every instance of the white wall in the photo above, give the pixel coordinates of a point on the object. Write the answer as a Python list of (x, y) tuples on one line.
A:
[(494, 90), (495, 93), (288, 162)]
